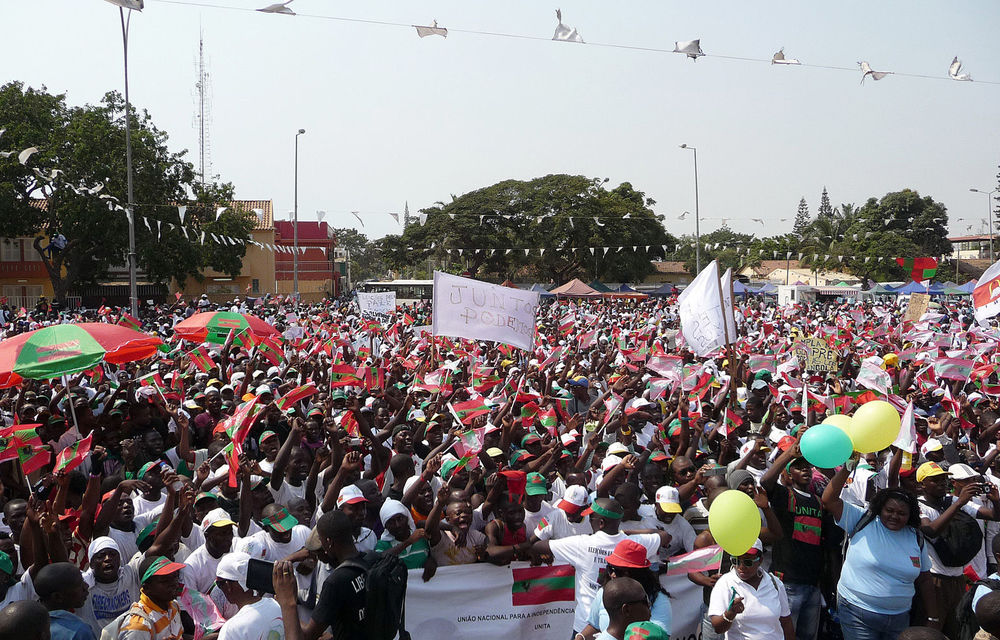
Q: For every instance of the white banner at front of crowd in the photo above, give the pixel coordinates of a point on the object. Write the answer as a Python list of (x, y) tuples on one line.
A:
[(384, 302), (486, 602), (467, 308)]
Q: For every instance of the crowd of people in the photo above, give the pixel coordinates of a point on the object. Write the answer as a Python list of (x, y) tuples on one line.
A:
[(268, 492)]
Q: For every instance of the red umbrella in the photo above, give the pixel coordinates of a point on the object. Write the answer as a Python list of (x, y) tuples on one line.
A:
[(62, 349), (214, 327)]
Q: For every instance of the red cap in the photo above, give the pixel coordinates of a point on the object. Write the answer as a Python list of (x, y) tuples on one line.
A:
[(786, 442), (630, 555)]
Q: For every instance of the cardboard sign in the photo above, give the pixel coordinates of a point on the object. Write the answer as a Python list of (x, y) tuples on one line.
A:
[(917, 307), (815, 354)]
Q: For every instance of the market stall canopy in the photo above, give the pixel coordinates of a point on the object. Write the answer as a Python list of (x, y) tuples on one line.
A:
[(600, 287), (665, 290), (542, 291)]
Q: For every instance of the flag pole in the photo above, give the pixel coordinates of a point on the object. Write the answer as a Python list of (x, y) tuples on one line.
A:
[(72, 409)]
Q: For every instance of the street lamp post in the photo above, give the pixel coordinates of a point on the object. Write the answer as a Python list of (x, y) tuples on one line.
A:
[(989, 213), (295, 224), (697, 216), (133, 291)]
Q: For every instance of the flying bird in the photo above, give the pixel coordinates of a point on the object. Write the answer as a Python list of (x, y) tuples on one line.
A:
[(955, 71), (757, 220), (868, 71), (26, 154), (691, 48), (565, 33), (432, 30), (281, 7), (779, 58), (682, 216)]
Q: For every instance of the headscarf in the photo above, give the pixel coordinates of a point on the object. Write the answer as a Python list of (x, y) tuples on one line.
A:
[(392, 508)]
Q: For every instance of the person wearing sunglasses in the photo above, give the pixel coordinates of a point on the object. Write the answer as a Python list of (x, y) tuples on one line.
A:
[(749, 603)]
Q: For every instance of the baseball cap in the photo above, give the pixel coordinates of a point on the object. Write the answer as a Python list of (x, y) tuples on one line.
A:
[(962, 471), (204, 495), (350, 494), (217, 517), (629, 554), (233, 566), (520, 455), (579, 381), (932, 444), (929, 470), (494, 452), (574, 500), (6, 564), (659, 456), (756, 549), (267, 434), (160, 566), (616, 449), (609, 463), (262, 389), (529, 439), (645, 630), (669, 499), (758, 384), (280, 521), (536, 485)]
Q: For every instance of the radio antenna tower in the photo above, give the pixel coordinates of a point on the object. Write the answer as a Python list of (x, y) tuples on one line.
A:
[(204, 115)]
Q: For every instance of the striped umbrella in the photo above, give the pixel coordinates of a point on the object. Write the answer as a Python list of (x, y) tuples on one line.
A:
[(214, 327)]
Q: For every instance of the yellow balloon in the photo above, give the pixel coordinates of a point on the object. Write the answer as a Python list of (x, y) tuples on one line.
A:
[(734, 521), (840, 421), (875, 426)]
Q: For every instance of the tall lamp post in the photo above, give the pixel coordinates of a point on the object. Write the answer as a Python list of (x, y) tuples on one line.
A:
[(295, 224), (989, 212), (133, 291), (697, 221)]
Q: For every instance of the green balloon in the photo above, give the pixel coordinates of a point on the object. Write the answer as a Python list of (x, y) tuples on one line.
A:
[(826, 446)]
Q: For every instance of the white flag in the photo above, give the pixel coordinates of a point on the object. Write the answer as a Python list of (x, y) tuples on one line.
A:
[(432, 30), (725, 283), (181, 211), (700, 309), (219, 211), (907, 438), (564, 33)]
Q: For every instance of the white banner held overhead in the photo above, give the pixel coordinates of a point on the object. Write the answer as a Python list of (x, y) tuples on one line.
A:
[(986, 295), (700, 309), (467, 308), (384, 302)]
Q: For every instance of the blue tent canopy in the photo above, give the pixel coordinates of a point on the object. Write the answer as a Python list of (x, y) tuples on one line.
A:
[(665, 290), (543, 292), (626, 289), (739, 287), (968, 286), (916, 287), (768, 288)]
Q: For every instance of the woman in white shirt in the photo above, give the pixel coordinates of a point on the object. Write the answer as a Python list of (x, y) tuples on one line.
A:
[(749, 603)]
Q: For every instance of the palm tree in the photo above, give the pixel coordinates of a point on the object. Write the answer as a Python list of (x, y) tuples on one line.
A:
[(822, 234)]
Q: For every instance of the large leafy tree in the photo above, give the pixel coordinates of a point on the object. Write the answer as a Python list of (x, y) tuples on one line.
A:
[(732, 250), (75, 186), (366, 262), (921, 220), (551, 228)]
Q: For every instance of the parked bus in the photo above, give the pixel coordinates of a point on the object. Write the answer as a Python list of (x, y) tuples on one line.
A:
[(407, 291)]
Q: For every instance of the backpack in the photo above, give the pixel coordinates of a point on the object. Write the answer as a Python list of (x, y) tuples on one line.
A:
[(385, 595), (968, 626), (960, 540)]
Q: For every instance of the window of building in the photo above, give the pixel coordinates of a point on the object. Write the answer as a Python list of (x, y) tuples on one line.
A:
[(255, 285), (10, 250)]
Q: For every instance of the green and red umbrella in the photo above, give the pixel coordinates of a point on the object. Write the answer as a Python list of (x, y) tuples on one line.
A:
[(214, 327), (63, 349)]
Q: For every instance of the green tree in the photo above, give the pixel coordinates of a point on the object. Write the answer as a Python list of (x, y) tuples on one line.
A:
[(822, 235), (919, 219), (731, 249), (802, 219), (549, 228), (366, 255), (76, 186), (825, 210)]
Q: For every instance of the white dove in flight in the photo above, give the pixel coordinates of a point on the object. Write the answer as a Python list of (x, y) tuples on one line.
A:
[(955, 71), (868, 71), (779, 58), (281, 7)]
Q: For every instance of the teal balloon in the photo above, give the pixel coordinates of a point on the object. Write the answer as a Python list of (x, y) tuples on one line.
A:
[(826, 446)]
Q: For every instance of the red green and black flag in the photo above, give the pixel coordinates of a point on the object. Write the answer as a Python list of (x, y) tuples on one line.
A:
[(373, 377), (128, 321), (470, 409), (271, 351), (33, 457), (919, 268), (344, 375), (528, 413), (12, 438), (200, 358), (295, 396), (541, 585), (350, 424), (549, 419), (73, 456)]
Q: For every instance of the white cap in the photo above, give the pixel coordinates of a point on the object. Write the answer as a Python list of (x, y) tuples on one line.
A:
[(669, 499), (262, 389), (574, 499), (932, 444), (962, 471), (217, 517), (349, 495), (617, 448), (273, 371), (233, 566), (609, 463)]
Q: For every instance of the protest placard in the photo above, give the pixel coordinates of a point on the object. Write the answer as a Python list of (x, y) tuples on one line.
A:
[(917, 306), (467, 308)]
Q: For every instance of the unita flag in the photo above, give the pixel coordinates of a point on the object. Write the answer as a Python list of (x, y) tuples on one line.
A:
[(986, 295)]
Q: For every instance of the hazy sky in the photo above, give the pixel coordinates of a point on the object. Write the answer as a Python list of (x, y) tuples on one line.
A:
[(391, 117)]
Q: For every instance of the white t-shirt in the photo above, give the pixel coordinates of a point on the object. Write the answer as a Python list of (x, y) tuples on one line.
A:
[(531, 520), (125, 541), (140, 505), (199, 572), (109, 600), (258, 621), (274, 551), (762, 606), (559, 527), (933, 514), (284, 494), (681, 532), (23, 589), (589, 554)]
